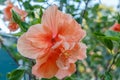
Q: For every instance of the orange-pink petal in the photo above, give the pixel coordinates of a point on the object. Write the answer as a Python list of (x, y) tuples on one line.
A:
[(116, 27), (13, 26), (49, 19), (39, 36), (7, 10), (48, 68), (26, 48), (66, 72)]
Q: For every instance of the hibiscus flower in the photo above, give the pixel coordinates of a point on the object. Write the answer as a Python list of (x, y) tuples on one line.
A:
[(54, 44), (116, 27), (8, 15)]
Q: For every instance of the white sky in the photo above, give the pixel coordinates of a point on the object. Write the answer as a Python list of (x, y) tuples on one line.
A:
[(112, 3)]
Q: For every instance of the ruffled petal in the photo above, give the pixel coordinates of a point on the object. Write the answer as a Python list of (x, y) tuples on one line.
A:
[(50, 19), (47, 69), (62, 62), (7, 11), (70, 29), (26, 49), (82, 51), (39, 36), (66, 72), (78, 52)]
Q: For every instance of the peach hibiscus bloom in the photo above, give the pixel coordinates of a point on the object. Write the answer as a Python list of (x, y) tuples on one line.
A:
[(8, 15), (55, 44), (116, 27), (13, 26)]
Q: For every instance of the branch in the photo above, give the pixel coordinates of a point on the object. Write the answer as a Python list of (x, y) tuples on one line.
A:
[(19, 4), (78, 5), (84, 11), (9, 53), (113, 62)]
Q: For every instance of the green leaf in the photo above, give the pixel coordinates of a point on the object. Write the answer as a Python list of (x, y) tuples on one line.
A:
[(16, 74), (24, 26), (112, 38), (54, 78), (112, 33), (108, 76), (104, 18), (16, 18), (35, 21), (68, 78), (27, 5), (41, 12), (77, 0), (98, 34), (108, 43), (18, 34)]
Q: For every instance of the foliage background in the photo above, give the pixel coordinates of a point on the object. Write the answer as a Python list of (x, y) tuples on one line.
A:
[(103, 59)]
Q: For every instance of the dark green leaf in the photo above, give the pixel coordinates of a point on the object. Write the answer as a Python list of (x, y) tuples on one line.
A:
[(16, 18), (24, 26), (41, 12), (108, 76), (27, 5), (54, 78), (112, 33), (104, 18), (108, 43), (68, 78), (98, 34), (16, 74)]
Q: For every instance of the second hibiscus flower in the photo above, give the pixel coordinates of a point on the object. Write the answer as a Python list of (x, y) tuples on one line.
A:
[(55, 44), (8, 15)]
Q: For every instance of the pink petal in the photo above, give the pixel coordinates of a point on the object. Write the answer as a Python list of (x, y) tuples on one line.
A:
[(78, 52), (48, 68), (82, 51), (62, 62), (70, 29), (66, 72), (49, 19), (26, 49), (39, 36)]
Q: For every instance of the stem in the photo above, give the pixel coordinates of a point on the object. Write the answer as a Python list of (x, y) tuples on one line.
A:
[(78, 5), (61, 5), (77, 72), (19, 4), (113, 62), (110, 65), (9, 53), (32, 63), (84, 11)]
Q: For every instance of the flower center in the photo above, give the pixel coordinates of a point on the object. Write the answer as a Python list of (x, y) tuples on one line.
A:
[(53, 41), (66, 54)]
